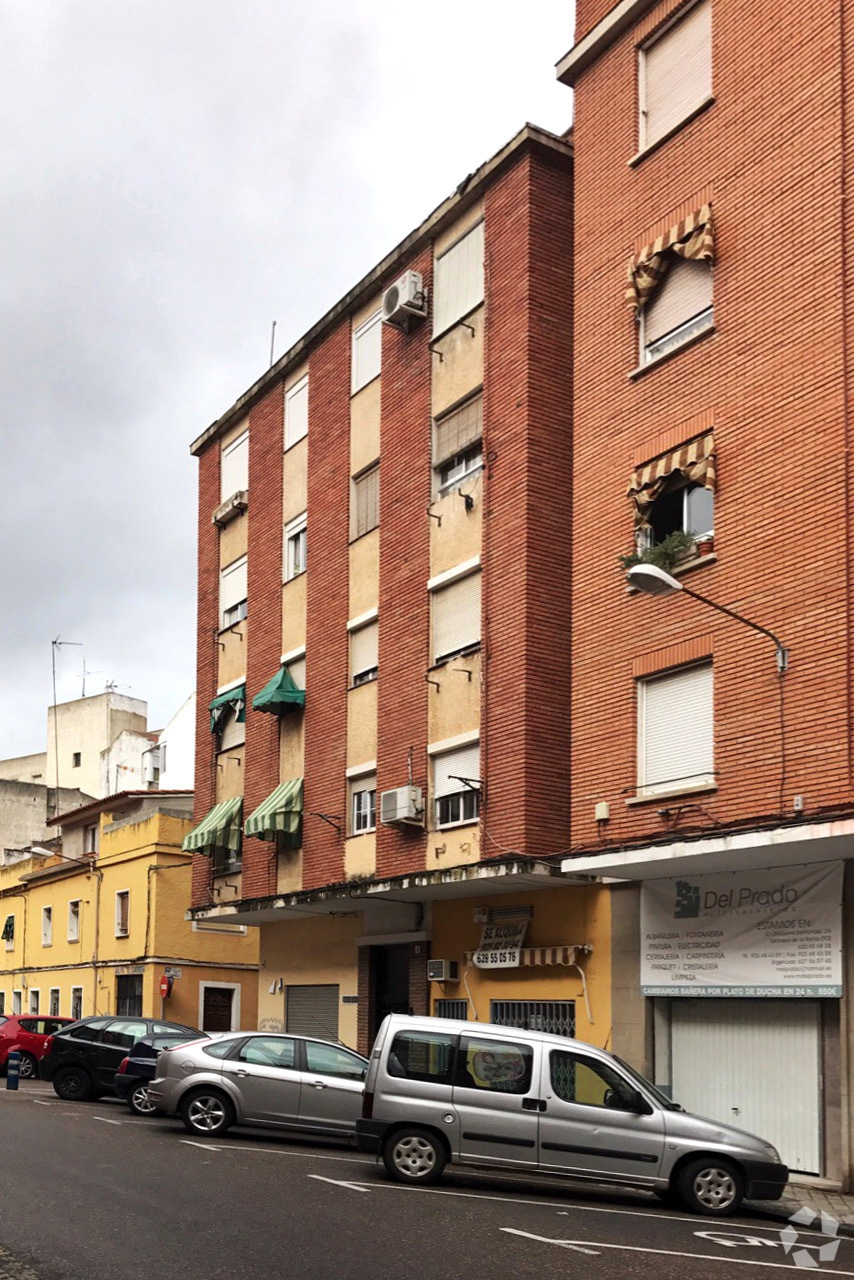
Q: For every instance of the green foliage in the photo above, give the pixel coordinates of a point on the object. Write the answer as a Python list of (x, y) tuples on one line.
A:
[(667, 554)]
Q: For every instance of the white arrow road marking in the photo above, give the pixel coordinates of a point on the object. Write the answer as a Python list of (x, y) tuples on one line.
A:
[(104, 1120), (564, 1244), (353, 1186), (675, 1253)]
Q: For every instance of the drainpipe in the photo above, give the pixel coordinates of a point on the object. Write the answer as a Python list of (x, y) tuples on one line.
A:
[(99, 876)]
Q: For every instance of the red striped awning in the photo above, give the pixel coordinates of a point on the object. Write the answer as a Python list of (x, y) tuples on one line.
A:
[(695, 461), (692, 238)]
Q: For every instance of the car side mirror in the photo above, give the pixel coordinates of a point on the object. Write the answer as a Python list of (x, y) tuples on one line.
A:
[(638, 1103)]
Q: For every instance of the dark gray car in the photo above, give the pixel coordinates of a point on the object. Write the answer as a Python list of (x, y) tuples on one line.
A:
[(261, 1078)]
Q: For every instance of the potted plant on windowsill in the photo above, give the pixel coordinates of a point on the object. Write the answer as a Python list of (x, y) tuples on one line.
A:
[(668, 554), (705, 543)]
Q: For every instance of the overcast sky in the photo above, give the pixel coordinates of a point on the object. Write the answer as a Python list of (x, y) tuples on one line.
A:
[(176, 175)]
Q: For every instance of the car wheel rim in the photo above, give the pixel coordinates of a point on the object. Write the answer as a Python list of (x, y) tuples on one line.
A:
[(715, 1188), (142, 1102), (414, 1156), (26, 1071), (206, 1114)]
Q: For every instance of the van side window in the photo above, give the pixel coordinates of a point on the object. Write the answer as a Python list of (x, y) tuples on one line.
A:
[(594, 1084), (499, 1066), (422, 1055)]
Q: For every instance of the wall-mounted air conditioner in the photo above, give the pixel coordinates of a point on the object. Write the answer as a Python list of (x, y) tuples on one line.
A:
[(443, 971), (232, 507), (402, 805), (405, 301)]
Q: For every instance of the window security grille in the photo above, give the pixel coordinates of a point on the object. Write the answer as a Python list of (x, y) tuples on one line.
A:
[(452, 1009), (555, 1016)]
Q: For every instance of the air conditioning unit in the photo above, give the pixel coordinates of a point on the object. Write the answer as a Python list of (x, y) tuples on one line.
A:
[(405, 301), (443, 971), (402, 805), (232, 507)]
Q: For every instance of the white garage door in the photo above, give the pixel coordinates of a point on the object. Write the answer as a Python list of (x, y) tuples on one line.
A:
[(754, 1064)]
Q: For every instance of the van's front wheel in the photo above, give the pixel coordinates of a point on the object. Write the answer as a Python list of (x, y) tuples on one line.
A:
[(711, 1186), (414, 1155)]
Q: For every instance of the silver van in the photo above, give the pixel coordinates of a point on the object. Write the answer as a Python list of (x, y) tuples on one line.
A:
[(439, 1090)]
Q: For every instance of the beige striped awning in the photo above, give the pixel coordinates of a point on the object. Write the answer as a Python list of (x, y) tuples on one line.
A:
[(537, 957), (695, 461), (692, 238)]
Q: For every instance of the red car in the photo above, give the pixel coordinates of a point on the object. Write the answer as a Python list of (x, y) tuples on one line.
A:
[(28, 1032)]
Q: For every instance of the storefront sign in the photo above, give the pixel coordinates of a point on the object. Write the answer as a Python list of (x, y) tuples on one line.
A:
[(500, 944), (774, 932)]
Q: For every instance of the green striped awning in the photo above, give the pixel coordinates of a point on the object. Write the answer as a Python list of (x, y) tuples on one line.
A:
[(280, 813), (231, 698), (279, 694), (218, 829)]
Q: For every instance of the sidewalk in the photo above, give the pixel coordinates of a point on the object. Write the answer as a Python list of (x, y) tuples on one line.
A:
[(820, 1199)]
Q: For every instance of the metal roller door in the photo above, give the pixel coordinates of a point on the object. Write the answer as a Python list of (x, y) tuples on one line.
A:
[(754, 1064), (312, 1011)]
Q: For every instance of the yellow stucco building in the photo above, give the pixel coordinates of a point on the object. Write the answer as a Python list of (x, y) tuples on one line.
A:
[(95, 927)]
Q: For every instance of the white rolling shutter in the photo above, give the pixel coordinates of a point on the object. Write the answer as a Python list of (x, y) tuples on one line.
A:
[(296, 670), (685, 292), (234, 467), (676, 73), (453, 765), (364, 649), (233, 731), (675, 739), (233, 586), (367, 352), (458, 280), (312, 1011), (456, 616), (296, 412)]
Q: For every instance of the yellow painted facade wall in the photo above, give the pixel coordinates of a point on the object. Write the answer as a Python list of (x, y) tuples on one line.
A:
[(144, 860), (571, 916), (321, 950)]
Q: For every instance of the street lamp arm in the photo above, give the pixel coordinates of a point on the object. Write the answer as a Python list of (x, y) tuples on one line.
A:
[(782, 651)]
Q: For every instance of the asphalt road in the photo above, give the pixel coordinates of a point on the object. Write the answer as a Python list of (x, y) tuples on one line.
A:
[(91, 1192)]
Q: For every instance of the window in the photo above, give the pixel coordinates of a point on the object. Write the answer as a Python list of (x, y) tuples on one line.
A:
[(364, 650), (675, 74), (494, 1065), (53, 1007), (9, 933), (75, 760), (363, 804), (47, 926), (675, 731), (225, 860), (74, 920), (217, 926), (90, 839), (16, 1002), (123, 1033), (122, 913), (232, 728), (76, 1003), (456, 786), (296, 412), (681, 507), (456, 617), (458, 280), (234, 467), (233, 593), (680, 308), (367, 352), (329, 1060), (555, 1016), (365, 502), (457, 447), (268, 1051), (575, 1078), (296, 547), (458, 1009), (129, 995), (35, 996), (423, 1055), (2, 1004)]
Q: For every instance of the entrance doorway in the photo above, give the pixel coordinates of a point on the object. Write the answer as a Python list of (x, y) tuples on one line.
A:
[(217, 1008), (390, 973)]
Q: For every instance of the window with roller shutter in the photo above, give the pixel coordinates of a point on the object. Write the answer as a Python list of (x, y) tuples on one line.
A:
[(456, 617), (458, 280), (675, 74), (676, 731)]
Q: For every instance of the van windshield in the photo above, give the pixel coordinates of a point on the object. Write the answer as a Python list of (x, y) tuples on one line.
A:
[(663, 1101)]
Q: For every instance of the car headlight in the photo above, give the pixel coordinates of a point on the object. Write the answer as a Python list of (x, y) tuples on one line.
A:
[(772, 1153)]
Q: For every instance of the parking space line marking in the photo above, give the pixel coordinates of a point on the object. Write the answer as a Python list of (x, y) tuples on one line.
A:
[(275, 1151), (353, 1186), (203, 1146), (564, 1244), (674, 1253), (38, 1102), (104, 1120)]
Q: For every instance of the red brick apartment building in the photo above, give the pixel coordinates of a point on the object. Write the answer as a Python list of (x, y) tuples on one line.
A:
[(383, 743), (712, 388)]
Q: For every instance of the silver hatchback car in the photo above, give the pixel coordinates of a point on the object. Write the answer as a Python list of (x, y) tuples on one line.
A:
[(261, 1078)]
